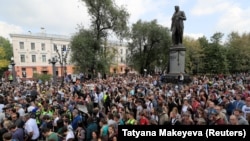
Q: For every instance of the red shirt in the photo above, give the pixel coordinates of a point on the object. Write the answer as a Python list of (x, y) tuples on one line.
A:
[(144, 121)]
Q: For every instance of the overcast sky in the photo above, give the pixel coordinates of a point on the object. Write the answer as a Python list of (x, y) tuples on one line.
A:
[(62, 17)]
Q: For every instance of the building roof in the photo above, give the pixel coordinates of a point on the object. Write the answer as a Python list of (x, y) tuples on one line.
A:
[(43, 36)]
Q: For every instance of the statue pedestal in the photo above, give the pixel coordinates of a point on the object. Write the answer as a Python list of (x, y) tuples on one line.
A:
[(177, 59), (176, 65)]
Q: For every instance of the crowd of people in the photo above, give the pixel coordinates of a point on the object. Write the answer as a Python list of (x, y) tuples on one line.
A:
[(91, 110)]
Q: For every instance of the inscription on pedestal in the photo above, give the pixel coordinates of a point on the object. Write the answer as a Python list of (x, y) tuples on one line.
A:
[(172, 57)]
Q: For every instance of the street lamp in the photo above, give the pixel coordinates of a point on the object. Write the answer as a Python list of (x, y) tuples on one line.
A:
[(12, 62), (53, 61), (63, 61), (145, 72)]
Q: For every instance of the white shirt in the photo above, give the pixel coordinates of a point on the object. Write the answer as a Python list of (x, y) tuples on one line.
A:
[(31, 126), (111, 122), (100, 96), (30, 108), (96, 100), (1, 108), (246, 110), (70, 135), (21, 112), (55, 121)]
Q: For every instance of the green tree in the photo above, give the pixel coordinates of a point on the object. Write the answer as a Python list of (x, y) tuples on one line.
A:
[(106, 18), (203, 41), (194, 55), (6, 53), (238, 50), (215, 55), (149, 44), (43, 77), (83, 52)]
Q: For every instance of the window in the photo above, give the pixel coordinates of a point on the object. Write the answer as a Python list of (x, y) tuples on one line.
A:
[(32, 46), (33, 57), (64, 48), (43, 46), (55, 47), (34, 70), (22, 58), (44, 58), (21, 45), (121, 51), (126, 51), (121, 59), (23, 72)]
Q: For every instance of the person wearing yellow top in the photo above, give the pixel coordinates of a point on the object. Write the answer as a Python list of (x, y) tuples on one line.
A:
[(131, 120)]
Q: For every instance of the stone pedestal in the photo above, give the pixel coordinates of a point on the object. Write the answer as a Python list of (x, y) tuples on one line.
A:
[(176, 65), (177, 59)]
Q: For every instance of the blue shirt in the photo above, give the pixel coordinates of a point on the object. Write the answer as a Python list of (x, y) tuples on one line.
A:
[(75, 122)]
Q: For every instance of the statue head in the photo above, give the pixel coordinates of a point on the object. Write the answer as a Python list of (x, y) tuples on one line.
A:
[(177, 8)]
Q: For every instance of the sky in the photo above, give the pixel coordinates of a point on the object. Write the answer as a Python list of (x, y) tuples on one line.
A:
[(63, 17)]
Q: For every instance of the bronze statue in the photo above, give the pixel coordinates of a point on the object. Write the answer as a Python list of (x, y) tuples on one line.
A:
[(177, 26)]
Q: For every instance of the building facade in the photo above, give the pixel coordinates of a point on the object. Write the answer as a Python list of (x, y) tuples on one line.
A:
[(31, 53), (119, 62)]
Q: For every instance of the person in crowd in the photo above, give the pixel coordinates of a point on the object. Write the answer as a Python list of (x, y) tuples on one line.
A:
[(95, 136), (241, 119), (76, 119), (112, 134), (7, 136), (80, 132), (104, 129), (68, 133), (233, 120), (120, 100), (31, 128), (143, 119), (2, 130), (174, 119), (17, 133), (49, 134), (131, 120), (91, 127)]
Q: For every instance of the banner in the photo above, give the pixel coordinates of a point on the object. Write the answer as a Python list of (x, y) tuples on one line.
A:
[(184, 133)]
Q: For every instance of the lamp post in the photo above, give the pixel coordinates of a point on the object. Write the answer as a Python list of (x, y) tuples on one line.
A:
[(145, 72), (53, 61), (12, 62), (63, 61)]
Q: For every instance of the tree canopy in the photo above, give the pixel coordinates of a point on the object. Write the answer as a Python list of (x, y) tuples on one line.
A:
[(5, 54), (88, 45)]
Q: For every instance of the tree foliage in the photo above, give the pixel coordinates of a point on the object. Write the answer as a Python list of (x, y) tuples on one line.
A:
[(238, 52), (5, 54), (232, 56), (149, 44), (194, 55), (83, 52), (42, 77), (89, 48)]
